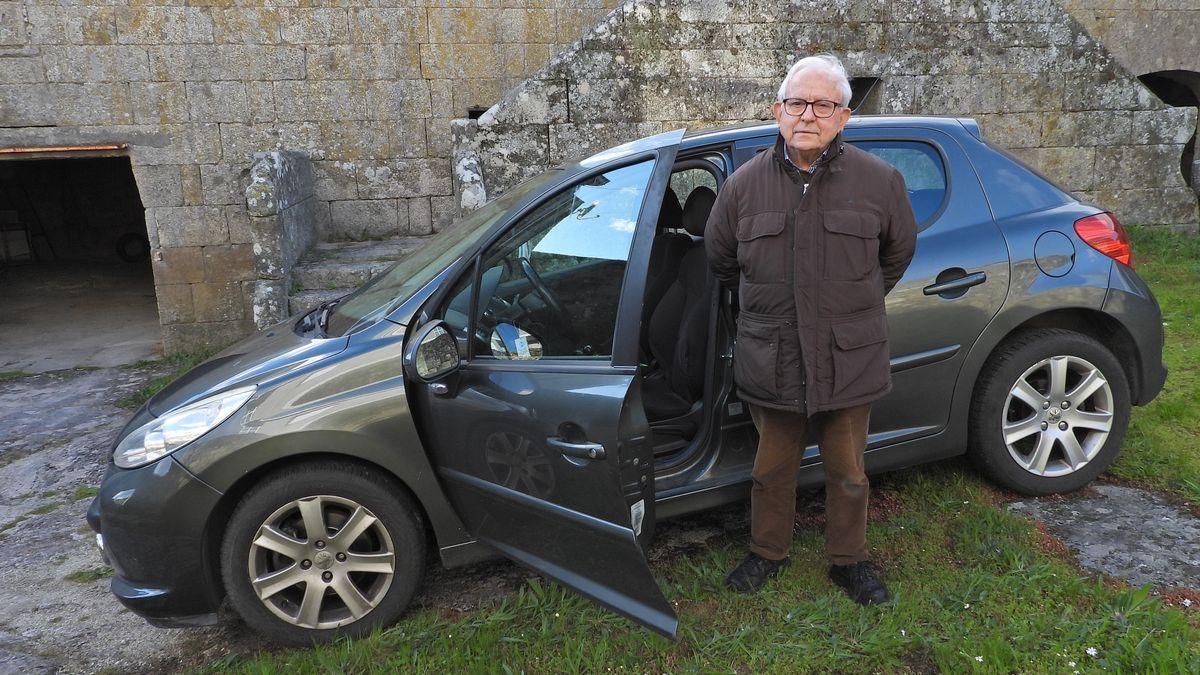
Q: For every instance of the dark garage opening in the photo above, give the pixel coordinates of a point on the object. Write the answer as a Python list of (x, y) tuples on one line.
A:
[(76, 287)]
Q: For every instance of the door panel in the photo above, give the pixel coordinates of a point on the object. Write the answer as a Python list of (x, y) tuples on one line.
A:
[(548, 459), (930, 334)]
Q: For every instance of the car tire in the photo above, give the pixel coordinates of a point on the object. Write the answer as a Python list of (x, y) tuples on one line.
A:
[(329, 571), (1019, 435)]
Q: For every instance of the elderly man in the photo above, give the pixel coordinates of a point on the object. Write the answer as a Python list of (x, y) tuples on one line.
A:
[(813, 235)]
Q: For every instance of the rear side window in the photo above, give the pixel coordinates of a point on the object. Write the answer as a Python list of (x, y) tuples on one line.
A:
[(1012, 187), (923, 170)]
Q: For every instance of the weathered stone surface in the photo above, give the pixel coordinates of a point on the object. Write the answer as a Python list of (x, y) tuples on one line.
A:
[(159, 103), (367, 219), (223, 183), (189, 225), (368, 92), (218, 102), (1096, 127), (164, 25), (403, 178), (175, 303), (1035, 81), (105, 63), (12, 23), (1125, 532), (210, 63), (178, 265), (159, 184)]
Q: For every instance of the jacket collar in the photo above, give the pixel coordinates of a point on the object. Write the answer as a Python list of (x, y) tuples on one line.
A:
[(835, 149)]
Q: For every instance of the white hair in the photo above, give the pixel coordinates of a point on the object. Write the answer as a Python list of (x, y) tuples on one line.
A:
[(824, 63)]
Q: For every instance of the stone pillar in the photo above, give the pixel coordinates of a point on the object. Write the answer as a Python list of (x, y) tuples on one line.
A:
[(279, 201)]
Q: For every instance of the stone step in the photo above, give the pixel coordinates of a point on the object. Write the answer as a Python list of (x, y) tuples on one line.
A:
[(303, 301), (333, 269)]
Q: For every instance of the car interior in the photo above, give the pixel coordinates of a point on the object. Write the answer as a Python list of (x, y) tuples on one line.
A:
[(677, 314)]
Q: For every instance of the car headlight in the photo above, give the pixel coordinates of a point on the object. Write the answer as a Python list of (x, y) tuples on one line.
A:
[(159, 438)]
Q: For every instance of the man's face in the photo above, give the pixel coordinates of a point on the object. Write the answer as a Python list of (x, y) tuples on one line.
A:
[(807, 134)]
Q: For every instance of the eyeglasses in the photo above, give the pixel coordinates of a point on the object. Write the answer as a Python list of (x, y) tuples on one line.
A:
[(796, 107)]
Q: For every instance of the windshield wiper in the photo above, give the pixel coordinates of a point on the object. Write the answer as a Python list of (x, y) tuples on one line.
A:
[(319, 316)]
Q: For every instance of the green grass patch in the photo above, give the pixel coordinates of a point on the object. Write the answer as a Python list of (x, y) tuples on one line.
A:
[(87, 576), (1162, 448), (177, 364), (975, 591), (12, 374), (84, 492)]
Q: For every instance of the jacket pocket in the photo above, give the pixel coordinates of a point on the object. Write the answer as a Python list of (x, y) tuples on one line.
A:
[(755, 357), (764, 254), (861, 358), (851, 244)]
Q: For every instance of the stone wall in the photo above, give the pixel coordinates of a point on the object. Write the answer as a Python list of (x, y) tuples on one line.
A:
[(1027, 71), (365, 88), (279, 200)]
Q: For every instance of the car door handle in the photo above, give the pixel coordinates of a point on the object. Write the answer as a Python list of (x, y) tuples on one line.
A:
[(961, 283), (581, 450)]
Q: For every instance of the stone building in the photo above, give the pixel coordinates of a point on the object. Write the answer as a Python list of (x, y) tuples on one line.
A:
[(357, 101)]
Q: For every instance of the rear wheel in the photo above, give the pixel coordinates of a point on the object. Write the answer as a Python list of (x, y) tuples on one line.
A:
[(322, 550), (1050, 412)]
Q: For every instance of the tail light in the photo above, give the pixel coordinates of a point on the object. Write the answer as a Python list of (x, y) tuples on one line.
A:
[(1104, 233)]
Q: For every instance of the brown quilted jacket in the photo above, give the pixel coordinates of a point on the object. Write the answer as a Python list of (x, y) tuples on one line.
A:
[(812, 270)]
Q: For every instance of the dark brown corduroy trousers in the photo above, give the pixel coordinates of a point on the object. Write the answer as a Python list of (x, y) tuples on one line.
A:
[(842, 439)]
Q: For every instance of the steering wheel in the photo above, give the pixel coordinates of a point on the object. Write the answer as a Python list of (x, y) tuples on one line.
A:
[(543, 291)]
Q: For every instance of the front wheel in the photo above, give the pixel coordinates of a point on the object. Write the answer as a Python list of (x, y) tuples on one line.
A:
[(1049, 413), (322, 550)]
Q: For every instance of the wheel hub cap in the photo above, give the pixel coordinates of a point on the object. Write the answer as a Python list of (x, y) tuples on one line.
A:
[(325, 586), (1057, 416)]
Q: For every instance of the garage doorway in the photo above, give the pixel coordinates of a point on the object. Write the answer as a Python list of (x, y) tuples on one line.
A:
[(76, 286)]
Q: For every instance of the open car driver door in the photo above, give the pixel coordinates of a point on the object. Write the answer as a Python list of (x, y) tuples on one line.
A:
[(528, 388)]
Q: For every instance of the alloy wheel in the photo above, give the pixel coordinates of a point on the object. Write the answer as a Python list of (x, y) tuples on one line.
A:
[(321, 562), (1057, 416)]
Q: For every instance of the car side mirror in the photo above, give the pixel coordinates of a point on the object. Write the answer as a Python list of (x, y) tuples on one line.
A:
[(432, 353), (511, 343)]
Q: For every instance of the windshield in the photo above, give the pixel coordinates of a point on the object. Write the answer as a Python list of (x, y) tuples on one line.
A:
[(374, 299)]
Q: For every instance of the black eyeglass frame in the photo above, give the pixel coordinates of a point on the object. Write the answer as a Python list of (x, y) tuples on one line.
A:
[(807, 103)]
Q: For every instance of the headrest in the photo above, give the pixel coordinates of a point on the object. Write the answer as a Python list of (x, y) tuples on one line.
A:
[(671, 215), (695, 211)]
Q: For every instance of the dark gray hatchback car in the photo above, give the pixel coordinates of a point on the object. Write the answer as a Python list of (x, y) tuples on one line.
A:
[(552, 374)]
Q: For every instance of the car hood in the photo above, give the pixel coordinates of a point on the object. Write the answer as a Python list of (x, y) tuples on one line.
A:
[(268, 354)]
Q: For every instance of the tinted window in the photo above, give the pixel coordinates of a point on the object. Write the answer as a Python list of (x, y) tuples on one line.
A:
[(1012, 187), (923, 171), (685, 181), (550, 286)]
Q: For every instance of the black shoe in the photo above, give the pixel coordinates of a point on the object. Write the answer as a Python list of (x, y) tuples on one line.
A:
[(753, 572), (861, 583)]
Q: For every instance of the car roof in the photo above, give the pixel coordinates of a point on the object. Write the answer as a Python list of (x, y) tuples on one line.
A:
[(952, 125)]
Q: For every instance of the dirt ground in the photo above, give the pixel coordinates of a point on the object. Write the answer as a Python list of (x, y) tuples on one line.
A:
[(55, 431)]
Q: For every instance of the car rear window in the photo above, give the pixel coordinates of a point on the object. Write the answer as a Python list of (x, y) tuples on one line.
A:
[(923, 170), (1012, 186)]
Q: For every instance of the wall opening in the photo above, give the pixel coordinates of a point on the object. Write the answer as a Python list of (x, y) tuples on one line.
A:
[(1179, 88), (865, 96), (76, 286)]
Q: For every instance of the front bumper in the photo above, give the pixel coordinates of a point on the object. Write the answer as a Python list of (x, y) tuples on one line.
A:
[(151, 523)]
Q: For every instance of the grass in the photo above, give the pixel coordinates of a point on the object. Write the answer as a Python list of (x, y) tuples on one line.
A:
[(87, 576), (177, 364), (1162, 448), (977, 589), (971, 582), (11, 374)]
